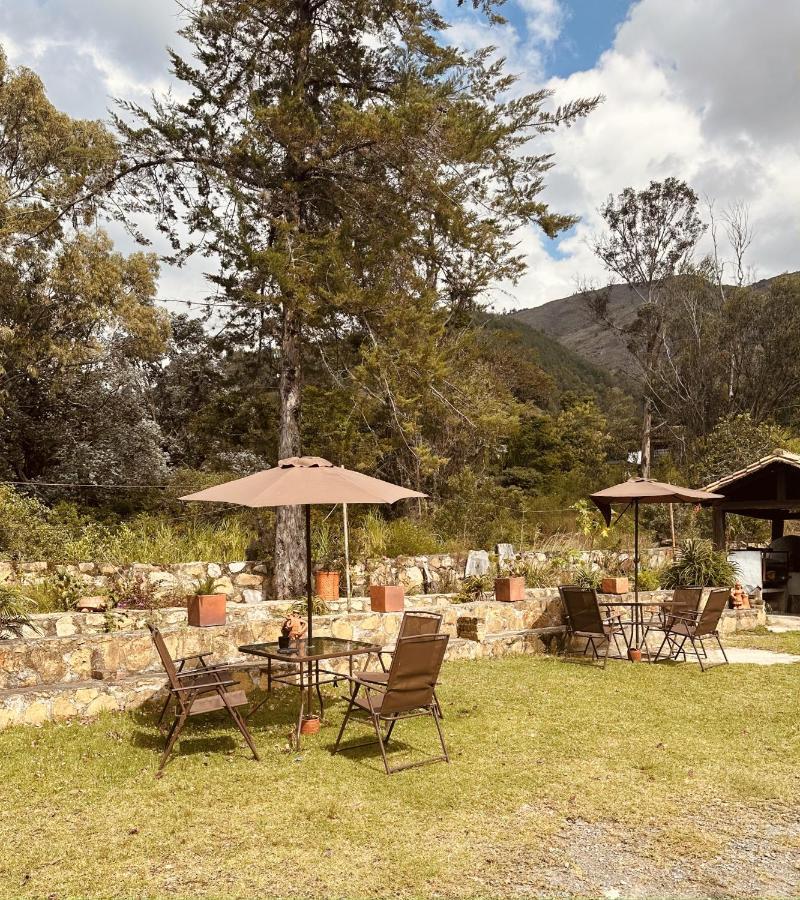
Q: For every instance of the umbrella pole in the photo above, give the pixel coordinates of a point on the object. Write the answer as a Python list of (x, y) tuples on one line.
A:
[(309, 605), (636, 567)]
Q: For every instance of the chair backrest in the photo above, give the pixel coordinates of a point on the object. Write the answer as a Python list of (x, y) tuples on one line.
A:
[(685, 602), (415, 669), (712, 611), (419, 621), (582, 608), (166, 659)]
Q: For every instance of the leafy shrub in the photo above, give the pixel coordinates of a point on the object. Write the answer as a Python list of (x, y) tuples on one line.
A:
[(698, 563), (318, 606), (586, 577), (138, 592), (649, 579), (410, 537), (57, 593), (540, 575), (15, 612), (475, 588), (372, 536)]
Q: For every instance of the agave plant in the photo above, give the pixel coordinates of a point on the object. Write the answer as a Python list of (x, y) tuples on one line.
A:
[(698, 563), (14, 612)]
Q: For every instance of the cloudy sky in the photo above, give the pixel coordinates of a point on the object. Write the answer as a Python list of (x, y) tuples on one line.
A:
[(707, 90)]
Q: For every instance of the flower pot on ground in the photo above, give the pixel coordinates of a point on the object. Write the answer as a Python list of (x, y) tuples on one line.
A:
[(326, 584), (387, 597), (207, 607), (615, 585), (634, 655), (309, 725), (509, 589)]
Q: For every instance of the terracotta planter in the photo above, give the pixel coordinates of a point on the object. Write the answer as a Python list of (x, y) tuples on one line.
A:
[(309, 725), (509, 590), (326, 585), (615, 586), (387, 597), (634, 655), (205, 610)]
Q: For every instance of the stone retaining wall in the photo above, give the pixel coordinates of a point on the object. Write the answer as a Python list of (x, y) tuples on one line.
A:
[(248, 582), (79, 664)]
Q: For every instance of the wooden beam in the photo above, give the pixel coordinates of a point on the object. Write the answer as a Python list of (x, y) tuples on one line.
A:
[(718, 524), (792, 505)]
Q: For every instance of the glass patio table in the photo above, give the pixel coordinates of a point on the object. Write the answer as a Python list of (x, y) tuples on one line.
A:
[(304, 658), (637, 617)]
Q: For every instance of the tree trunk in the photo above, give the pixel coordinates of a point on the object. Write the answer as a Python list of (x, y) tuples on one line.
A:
[(647, 422), (290, 566)]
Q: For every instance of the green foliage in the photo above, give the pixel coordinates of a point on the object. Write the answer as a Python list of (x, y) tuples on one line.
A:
[(650, 579), (372, 536), (59, 592), (206, 585), (410, 537), (475, 588), (136, 591), (698, 563), (318, 606), (735, 442), (587, 577), (15, 610)]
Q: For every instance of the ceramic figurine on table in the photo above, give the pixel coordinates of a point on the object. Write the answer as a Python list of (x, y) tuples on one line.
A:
[(293, 629)]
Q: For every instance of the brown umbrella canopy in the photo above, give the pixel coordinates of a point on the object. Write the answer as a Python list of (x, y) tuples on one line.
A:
[(302, 481), (645, 490)]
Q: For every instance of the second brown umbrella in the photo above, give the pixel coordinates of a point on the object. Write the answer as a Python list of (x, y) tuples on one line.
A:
[(633, 492), (304, 481)]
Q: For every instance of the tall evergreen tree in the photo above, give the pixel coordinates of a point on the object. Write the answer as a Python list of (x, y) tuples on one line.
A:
[(348, 169)]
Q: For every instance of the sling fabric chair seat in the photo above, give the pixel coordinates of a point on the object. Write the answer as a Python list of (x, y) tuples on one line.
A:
[(685, 602), (407, 693), (585, 620), (694, 628), (197, 692)]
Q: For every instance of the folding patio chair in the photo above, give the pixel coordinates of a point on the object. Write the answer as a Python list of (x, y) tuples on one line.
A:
[(696, 626), (408, 693), (196, 692), (685, 602), (585, 620)]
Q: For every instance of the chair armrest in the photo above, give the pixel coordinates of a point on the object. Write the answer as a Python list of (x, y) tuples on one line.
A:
[(690, 619), (199, 656), (200, 688), (206, 670)]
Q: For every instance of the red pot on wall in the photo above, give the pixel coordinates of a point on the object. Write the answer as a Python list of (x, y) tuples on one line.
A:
[(509, 590), (326, 585), (615, 586), (205, 610), (387, 597)]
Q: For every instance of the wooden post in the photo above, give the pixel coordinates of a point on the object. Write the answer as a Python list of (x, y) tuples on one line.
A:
[(672, 525), (718, 523), (777, 528), (346, 554)]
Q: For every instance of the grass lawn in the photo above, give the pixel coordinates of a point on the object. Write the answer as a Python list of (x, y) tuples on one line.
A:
[(565, 780)]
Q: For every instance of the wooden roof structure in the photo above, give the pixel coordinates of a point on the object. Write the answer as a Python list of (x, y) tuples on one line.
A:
[(766, 489)]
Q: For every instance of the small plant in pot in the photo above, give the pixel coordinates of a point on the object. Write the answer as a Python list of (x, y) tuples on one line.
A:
[(207, 606), (326, 575), (509, 586)]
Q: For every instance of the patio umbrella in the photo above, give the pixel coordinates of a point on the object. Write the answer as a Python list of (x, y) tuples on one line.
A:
[(303, 481), (644, 490)]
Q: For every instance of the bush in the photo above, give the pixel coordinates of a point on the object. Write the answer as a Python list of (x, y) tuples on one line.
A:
[(649, 579), (57, 593), (15, 612), (410, 537), (698, 563), (138, 592)]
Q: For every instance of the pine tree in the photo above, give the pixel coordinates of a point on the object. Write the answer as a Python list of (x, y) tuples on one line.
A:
[(345, 167)]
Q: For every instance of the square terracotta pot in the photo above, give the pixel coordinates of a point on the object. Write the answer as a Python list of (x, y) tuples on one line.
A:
[(205, 610), (509, 590), (615, 586), (387, 597)]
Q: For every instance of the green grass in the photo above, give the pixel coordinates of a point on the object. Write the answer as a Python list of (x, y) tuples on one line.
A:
[(536, 744), (761, 639)]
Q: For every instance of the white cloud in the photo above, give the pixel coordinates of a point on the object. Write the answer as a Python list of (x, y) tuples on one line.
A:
[(704, 91), (544, 19)]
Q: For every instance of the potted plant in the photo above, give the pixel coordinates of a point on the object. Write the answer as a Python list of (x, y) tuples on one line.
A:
[(207, 606), (510, 586), (387, 597), (326, 576)]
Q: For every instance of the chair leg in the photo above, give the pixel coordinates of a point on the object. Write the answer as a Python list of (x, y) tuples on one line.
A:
[(441, 736), (605, 657), (390, 729), (346, 717), (658, 652), (694, 650), (174, 733), (239, 722), (719, 642), (164, 709), (377, 725)]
